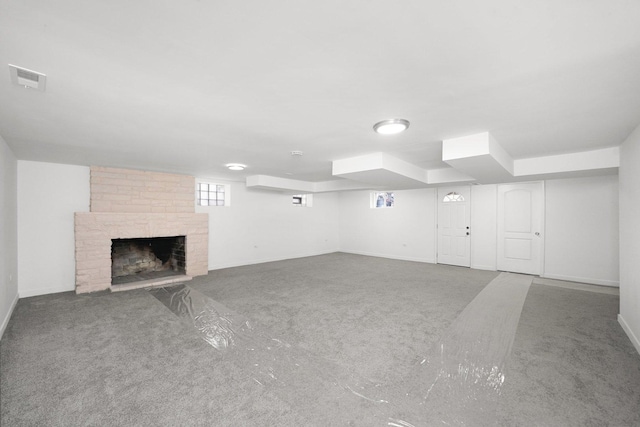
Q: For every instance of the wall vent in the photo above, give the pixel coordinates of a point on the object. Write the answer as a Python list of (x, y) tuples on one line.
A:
[(27, 78)]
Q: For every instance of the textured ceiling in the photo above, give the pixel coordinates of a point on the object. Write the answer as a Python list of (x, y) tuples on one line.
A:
[(188, 86)]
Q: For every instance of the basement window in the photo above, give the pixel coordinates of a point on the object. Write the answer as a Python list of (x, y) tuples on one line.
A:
[(453, 197), (209, 194), (302, 200), (382, 199)]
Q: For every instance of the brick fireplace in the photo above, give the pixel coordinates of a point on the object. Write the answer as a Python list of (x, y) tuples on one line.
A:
[(129, 204)]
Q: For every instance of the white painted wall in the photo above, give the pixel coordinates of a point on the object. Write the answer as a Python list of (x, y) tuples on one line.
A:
[(406, 231), (484, 202), (8, 234), (48, 196), (259, 226), (581, 237), (581, 230), (629, 316), (262, 226)]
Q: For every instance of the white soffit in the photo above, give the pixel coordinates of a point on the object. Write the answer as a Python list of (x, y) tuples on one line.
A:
[(267, 182), (295, 186), (381, 170), (603, 160), (482, 158), (447, 176), (474, 159), (478, 156)]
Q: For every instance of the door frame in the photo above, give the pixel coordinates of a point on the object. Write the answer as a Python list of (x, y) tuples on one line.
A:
[(542, 213)]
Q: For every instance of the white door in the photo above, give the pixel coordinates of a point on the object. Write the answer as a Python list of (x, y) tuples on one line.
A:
[(520, 223), (454, 220)]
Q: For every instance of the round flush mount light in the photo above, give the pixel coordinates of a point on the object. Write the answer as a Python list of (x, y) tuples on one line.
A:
[(236, 166), (390, 127)]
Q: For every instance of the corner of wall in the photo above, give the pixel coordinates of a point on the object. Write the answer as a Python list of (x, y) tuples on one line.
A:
[(7, 317), (8, 233), (634, 339), (629, 246)]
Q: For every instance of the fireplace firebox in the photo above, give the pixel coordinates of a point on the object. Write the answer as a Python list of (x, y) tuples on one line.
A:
[(147, 258)]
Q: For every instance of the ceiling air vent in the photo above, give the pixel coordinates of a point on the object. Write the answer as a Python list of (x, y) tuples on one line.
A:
[(27, 78)]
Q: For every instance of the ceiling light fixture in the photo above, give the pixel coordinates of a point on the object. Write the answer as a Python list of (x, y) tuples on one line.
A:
[(391, 126), (236, 166)]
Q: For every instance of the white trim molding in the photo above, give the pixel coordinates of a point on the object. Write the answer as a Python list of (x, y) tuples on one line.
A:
[(634, 340), (589, 280), (6, 319), (396, 257)]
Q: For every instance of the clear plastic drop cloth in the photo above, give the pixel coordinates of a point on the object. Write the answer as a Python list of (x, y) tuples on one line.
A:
[(307, 383), (458, 382)]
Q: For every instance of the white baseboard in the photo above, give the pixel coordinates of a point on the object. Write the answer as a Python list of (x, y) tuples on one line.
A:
[(634, 340), (400, 258), (589, 280), (242, 263), (484, 267), (5, 321), (43, 291)]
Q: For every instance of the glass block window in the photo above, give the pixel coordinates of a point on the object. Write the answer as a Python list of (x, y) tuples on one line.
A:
[(453, 197), (382, 200), (211, 194)]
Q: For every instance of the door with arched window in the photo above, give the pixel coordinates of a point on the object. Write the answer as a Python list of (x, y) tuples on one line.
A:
[(454, 221)]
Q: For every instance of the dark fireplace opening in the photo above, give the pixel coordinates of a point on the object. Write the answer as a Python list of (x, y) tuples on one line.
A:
[(146, 258)]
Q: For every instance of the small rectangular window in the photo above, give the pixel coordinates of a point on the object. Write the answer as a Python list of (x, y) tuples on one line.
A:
[(209, 194), (380, 199), (302, 200)]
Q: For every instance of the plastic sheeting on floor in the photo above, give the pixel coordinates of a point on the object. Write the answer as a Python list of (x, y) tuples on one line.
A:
[(467, 366)]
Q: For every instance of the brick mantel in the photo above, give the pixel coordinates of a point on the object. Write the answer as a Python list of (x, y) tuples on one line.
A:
[(134, 204)]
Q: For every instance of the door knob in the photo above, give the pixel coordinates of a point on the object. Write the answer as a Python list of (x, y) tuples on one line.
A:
[(537, 234)]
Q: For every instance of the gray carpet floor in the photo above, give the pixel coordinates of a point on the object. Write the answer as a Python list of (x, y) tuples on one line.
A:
[(336, 339)]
